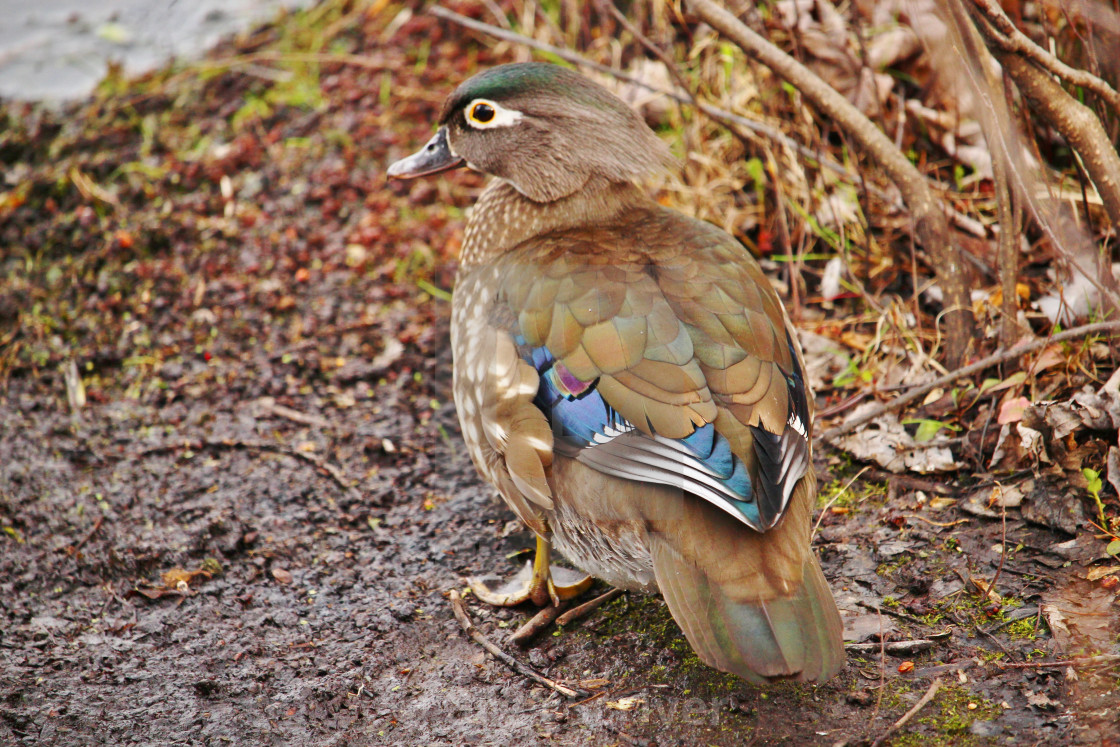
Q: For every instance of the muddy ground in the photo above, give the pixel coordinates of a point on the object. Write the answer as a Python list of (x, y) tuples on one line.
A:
[(239, 521)]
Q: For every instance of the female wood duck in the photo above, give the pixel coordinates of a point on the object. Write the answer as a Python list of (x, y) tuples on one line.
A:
[(627, 378)]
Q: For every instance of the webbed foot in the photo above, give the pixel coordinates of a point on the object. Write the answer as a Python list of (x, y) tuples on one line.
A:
[(538, 582)]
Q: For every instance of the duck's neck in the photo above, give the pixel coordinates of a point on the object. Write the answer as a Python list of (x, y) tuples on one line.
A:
[(503, 217)]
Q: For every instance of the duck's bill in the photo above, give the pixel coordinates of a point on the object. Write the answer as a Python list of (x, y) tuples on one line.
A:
[(433, 158)]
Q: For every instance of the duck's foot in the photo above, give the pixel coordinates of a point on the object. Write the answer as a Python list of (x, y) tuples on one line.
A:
[(538, 582)]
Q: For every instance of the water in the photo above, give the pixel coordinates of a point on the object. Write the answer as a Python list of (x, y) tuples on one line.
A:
[(57, 50)]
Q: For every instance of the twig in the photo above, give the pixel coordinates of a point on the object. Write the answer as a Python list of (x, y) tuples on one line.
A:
[(524, 635), (909, 481), (1004, 34), (932, 691), (932, 523), (882, 667), (270, 404), (96, 525), (1077, 124), (1002, 539), (524, 670), (1081, 661), (894, 648), (1008, 246), (996, 358), (585, 609), (893, 613)]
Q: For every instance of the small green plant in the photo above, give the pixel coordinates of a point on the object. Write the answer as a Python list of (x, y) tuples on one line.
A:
[(852, 374), (1093, 478), (927, 429)]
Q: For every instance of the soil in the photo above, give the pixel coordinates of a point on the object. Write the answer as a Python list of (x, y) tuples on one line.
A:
[(239, 521)]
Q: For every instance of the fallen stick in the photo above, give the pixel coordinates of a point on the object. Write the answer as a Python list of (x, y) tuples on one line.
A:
[(999, 357), (524, 635), (585, 609), (524, 670), (932, 691), (895, 648), (1084, 661)]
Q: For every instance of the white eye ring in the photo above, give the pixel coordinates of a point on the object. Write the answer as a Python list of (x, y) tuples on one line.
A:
[(499, 115)]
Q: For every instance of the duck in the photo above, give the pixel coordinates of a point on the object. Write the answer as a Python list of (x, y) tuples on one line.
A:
[(627, 378)]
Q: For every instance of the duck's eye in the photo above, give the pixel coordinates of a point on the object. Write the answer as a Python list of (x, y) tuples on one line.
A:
[(482, 113)]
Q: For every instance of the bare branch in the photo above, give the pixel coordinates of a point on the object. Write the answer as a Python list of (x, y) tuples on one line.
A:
[(1027, 182), (1077, 123), (1003, 33), (930, 693), (931, 225), (996, 358)]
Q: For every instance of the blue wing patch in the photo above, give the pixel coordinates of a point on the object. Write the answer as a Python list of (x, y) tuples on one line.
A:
[(587, 428)]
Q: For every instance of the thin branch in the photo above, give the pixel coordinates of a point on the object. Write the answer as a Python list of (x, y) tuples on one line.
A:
[(1072, 243), (1076, 122), (1084, 132), (96, 525), (930, 693), (931, 224), (894, 648), (578, 613), (1008, 250), (1081, 661), (996, 358), (1010, 39), (527, 633), (524, 670)]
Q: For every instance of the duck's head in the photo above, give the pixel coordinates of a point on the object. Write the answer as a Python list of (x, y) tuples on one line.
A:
[(546, 130)]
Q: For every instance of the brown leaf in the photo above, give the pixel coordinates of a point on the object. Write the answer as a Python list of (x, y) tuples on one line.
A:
[(282, 576), (180, 579)]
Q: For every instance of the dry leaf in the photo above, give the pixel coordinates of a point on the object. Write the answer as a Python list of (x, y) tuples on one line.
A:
[(179, 579), (1042, 701), (624, 704), (1098, 572), (1081, 616), (282, 575), (986, 589), (886, 442)]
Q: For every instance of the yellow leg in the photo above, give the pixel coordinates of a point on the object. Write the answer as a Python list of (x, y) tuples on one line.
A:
[(539, 582)]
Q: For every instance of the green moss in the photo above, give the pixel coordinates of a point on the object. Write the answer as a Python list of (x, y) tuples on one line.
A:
[(843, 492), (647, 619), (1024, 629), (947, 719)]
